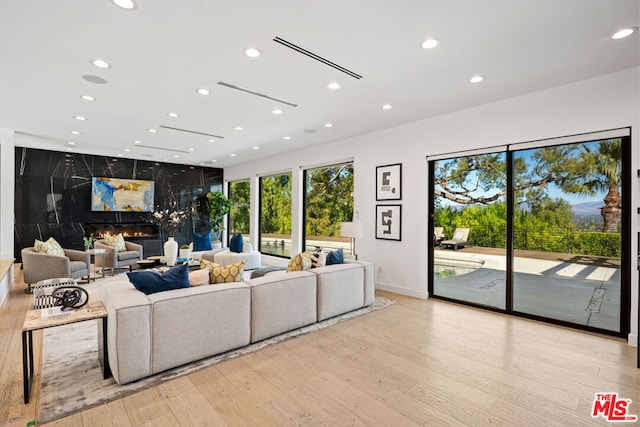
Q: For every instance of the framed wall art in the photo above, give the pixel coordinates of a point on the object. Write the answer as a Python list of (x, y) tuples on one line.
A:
[(389, 222), (389, 182)]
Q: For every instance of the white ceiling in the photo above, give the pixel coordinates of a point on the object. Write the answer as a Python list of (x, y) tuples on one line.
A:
[(162, 51)]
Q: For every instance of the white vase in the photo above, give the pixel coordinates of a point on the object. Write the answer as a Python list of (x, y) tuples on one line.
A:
[(170, 251)]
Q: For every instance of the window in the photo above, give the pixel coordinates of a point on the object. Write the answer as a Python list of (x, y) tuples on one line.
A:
[(328, 201), (275, 215), (239, 215)]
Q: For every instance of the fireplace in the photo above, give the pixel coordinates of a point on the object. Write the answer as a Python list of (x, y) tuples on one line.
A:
[(130, 230), (142, 233)]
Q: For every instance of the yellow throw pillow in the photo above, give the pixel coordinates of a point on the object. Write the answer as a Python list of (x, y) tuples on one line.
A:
[(199, 277), (116, 241), (300, 262), (50, 247), (227, 274)]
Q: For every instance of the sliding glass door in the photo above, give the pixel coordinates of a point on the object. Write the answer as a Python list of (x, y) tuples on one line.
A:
[(538, 230)]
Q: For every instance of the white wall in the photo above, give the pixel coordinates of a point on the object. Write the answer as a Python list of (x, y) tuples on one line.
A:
[(7, 189), (606, 102)]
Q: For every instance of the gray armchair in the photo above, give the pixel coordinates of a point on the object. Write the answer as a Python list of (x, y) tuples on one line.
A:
[(38, 266), (113, 259)]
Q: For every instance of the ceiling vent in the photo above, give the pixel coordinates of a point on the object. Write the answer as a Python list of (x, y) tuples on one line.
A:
[(192, 131), (317, 57), (253, 92)]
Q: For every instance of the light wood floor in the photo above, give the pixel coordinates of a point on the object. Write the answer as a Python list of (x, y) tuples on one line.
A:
[(415, 363)]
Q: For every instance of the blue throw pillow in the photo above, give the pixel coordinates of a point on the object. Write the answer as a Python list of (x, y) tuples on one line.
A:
[(335, 257), (151, 282), (236, 243), (201, 242)]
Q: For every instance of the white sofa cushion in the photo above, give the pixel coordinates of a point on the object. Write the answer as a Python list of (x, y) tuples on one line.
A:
[(340, 289)]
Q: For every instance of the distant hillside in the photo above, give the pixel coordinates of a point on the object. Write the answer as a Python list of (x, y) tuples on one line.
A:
[(587, 208)]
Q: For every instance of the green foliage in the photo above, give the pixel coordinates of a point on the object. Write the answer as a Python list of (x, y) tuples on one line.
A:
[(329, 199), (275, 214), (218, 206), (239, 215)]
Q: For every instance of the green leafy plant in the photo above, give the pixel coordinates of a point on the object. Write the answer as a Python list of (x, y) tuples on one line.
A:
[(219, 206), (184, 246), (88, 241)]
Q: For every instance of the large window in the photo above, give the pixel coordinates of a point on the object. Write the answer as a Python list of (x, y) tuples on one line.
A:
[(275, 215), (239, 215), (328, 202), (546, 230)]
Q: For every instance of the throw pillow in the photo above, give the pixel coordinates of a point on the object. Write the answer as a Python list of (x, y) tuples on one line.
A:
[(50, 247), (300, 262), (207, 264), (236, 242), (116, 241), (199, 277), (202, 242), (227, 274), (318, 259), (335, 257), (151, 282)]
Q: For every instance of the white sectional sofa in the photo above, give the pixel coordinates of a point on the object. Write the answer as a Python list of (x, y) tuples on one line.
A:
[(148, 334)]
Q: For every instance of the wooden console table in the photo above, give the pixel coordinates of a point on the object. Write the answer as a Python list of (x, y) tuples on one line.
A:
[(34, 320)]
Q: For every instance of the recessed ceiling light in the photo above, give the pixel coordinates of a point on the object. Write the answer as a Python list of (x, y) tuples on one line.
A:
[(119, 154), (232, 155), (175, 156), (173, 115), (125, 4), (287, 138), (152, 130), (476, 79), (71, 143), (213, 161), (201, 163), (100, 63), (75, 132), (328, 125), (203, 91), (277, 111), (87, 97), (256, 148), (69, 148), (211, 140), (191, 149), (81, 118), (137, 141), (387, 107), (625, 32), (430, 43), (252, 52), (333, 86), (238, 128), (127, 149)]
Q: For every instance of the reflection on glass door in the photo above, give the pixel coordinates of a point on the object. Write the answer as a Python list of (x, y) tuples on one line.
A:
[(469, 229), (567, 233)]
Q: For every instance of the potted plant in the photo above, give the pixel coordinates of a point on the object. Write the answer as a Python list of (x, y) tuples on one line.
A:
[(218, 205), (185, 251), (88, 241)]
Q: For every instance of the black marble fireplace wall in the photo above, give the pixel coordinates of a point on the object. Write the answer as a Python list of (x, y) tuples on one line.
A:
[(53, 195)]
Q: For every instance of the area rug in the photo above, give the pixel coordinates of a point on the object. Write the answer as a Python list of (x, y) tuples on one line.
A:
[(72, 380)]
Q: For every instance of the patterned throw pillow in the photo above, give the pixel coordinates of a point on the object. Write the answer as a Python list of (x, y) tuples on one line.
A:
[(50, 247), (318, 259), (116, 241), (227, 274), (300, 262)]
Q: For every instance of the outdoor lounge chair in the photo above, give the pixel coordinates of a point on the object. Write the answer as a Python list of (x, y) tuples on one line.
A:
[(459, 239), (438, 235)]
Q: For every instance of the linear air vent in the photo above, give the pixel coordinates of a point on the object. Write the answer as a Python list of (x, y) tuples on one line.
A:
[(165, 149), (253, 92), (316, 57), (192, 131)]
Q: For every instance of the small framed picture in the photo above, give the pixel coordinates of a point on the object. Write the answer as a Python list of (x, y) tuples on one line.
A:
[(389, 182), (389, 222)]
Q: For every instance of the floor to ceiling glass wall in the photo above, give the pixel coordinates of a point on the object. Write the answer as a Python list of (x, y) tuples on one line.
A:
[(275, 215), (536, 230)]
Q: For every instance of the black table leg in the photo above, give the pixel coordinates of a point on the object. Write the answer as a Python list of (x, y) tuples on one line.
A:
[(27, 365)]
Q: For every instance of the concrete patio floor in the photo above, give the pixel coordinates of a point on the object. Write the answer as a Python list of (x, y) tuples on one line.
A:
[(577, 289)]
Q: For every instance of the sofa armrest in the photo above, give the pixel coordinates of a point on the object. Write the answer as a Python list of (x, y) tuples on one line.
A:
[(133, 247), (39, 266), (110, 254), (76, 255)]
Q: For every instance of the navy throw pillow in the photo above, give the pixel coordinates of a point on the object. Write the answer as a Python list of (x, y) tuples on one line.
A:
[(151, 282), (201, 242), (236, 243), (335, 257)]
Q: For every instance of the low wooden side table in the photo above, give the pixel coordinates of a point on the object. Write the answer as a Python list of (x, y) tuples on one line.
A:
[(35, 320)]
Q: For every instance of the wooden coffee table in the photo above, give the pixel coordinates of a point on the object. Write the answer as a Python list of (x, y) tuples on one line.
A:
[(36, 320)]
